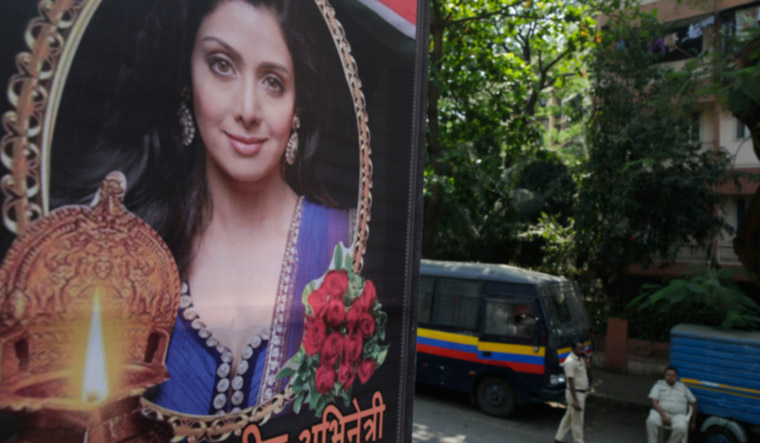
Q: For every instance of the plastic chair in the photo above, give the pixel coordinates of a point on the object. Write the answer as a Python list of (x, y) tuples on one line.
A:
[(665, 430)]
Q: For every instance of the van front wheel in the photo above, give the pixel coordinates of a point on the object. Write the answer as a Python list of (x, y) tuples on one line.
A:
[(495, 397), (719, 434)]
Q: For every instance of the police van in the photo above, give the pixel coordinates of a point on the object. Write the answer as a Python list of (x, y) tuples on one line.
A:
[(497, 332)]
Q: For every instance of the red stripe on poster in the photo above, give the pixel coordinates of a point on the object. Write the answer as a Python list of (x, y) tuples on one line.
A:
[(405, 8), (473, 357)]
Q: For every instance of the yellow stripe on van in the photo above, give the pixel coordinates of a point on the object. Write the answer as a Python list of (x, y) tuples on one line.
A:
[(717, 386), (448, 336), (482, 346), (511, 349), (586, 344), (724, 391)]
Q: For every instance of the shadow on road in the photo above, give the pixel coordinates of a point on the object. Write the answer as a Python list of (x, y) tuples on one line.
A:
[(445, 416), (460, 400)]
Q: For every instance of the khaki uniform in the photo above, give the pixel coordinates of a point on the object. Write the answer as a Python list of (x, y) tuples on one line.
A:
[(575, 368), (674, 400)]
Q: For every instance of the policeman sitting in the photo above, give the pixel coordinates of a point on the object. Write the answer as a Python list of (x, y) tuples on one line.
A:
[(670, 401)]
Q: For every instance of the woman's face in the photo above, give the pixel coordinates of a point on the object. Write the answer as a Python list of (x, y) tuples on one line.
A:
[(243, 91)]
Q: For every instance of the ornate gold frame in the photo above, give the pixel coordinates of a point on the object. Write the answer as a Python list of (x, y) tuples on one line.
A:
[(35, 93)]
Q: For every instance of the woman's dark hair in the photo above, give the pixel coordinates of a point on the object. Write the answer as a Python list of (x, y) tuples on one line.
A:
[(142, 134)]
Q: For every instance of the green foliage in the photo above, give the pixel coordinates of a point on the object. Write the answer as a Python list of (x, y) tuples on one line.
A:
[(491, 66), (709, 293), (541, 184), (557, 246), (736, 76), (742, 90), (648, 187)]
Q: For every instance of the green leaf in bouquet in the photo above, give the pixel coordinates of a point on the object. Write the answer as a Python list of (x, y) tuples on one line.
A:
[(348, 258), (380, 321), (355, 286), (355, 280), (293, 365), (297, 359), (319, 406), (382, 354), (286, 372), (371, 342), (298, 403), (338, 256), (346, 396), (370, 354), (307, 374), (314, 395)]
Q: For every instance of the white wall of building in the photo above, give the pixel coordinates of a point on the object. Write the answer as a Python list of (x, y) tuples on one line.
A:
[(740, 149)]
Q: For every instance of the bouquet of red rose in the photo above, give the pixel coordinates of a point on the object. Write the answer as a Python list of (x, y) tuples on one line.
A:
[(344, 328)]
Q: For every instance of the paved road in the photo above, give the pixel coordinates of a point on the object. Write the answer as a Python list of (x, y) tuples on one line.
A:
[(449, 418)]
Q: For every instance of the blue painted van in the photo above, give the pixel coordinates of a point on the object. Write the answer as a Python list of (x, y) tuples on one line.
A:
[(497, 332), (722, 369)]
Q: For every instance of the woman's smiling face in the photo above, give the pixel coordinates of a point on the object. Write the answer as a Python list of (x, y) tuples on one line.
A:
[(243, 91)]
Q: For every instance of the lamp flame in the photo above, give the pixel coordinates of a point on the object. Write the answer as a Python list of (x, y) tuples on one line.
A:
[(95, 382)]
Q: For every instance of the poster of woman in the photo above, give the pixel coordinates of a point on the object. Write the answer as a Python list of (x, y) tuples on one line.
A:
[(223, 197)]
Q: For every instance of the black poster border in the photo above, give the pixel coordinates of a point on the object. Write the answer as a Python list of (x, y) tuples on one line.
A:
[(414, 223)]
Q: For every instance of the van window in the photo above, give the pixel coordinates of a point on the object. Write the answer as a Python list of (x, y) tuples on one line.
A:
[(426, 299), (456, 303), (561, 306), (509, 318), (565, 308)]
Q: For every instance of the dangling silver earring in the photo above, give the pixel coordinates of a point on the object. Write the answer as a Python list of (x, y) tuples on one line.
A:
[(186, 119), (292, 149)]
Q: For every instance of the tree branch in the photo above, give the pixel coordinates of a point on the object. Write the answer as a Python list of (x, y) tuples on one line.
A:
[(502, 12), (540, 62), (557, 59), (526, 50)]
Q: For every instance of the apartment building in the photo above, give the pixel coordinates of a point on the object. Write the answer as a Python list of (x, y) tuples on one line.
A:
[(699, 25)]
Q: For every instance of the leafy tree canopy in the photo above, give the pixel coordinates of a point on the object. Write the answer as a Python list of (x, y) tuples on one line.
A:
[(491, 65), (649, 186)]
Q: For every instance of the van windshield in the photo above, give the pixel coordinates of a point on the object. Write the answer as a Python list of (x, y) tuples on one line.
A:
[(565, 308)]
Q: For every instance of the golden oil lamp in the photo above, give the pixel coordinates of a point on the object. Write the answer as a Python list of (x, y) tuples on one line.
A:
[(88, 298)]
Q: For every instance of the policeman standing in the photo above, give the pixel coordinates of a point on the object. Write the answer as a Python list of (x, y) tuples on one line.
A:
[(576, 365)]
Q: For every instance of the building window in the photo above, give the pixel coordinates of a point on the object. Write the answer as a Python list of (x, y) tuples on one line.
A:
[(741, 130), (741, 208), (746, 22), (695, 128)]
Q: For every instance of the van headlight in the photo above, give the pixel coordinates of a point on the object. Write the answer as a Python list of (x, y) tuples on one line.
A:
[(556, 379)]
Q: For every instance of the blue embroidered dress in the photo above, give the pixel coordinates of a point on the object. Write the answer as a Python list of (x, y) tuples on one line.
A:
[(202, 379)]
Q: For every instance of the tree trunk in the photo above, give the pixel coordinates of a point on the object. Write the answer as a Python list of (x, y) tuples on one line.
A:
[(433, 202), (747, 240)]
